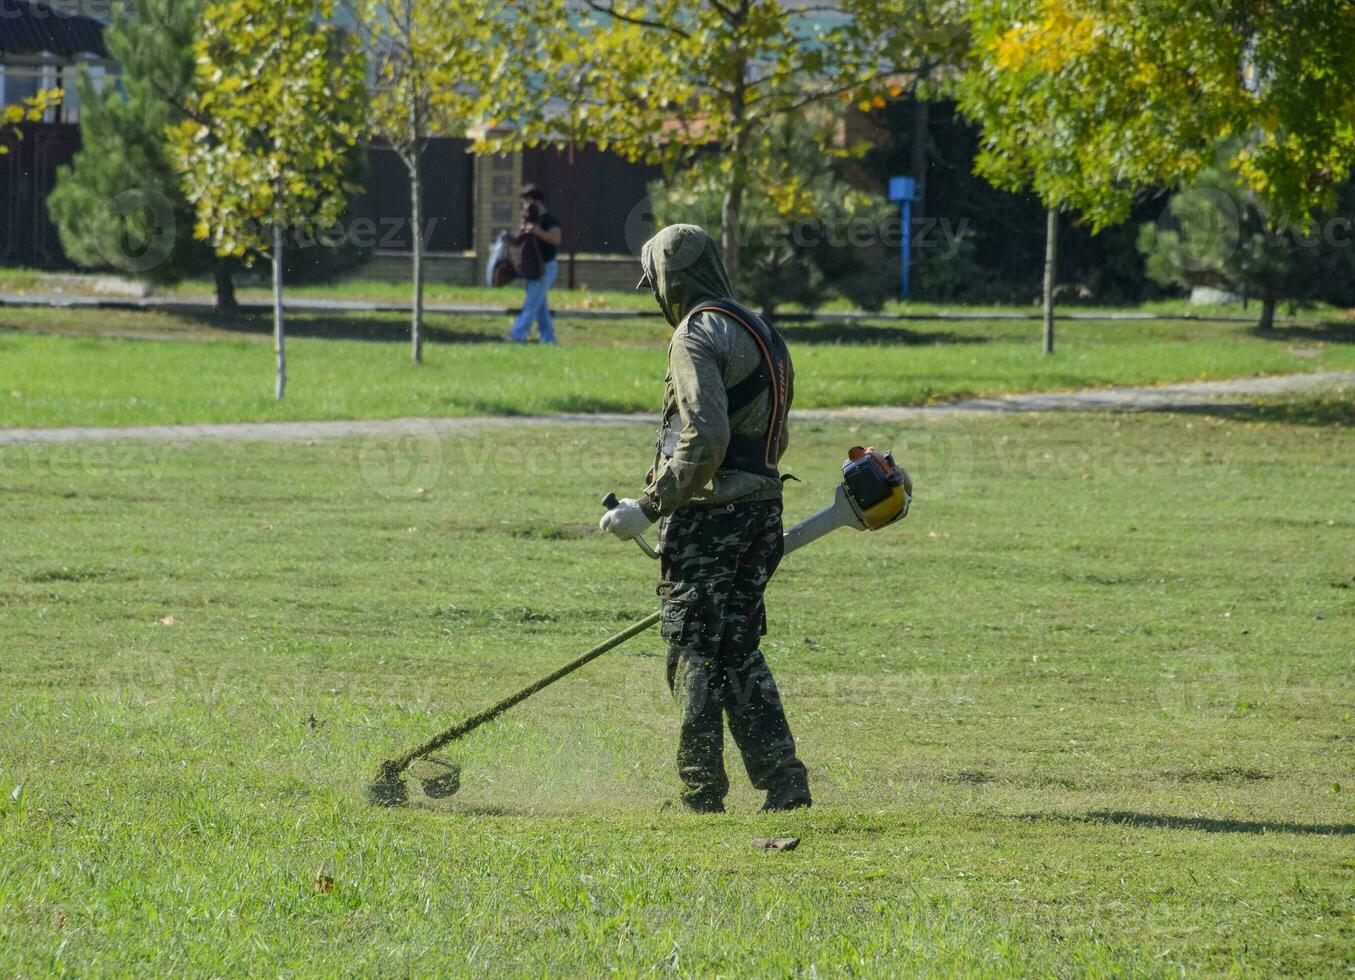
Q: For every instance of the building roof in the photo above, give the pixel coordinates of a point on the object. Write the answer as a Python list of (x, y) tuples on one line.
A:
[(31, 27)]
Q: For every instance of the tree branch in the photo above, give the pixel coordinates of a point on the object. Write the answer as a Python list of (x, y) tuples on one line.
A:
[(611, 11)]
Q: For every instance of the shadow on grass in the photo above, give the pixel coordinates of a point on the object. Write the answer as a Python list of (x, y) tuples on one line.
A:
[(1208, 825), (854, 333), (1327, 332), (1337, 412), (591, 405), (390, 327), (380, 327)]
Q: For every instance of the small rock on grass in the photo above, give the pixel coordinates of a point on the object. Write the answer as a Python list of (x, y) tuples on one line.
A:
[(776, 843)]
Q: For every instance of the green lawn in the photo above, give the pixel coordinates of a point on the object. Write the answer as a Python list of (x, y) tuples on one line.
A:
[(360, 287), (83, 367), (1090, 710)]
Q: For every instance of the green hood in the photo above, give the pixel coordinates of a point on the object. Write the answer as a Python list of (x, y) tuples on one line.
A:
[(684, 269)]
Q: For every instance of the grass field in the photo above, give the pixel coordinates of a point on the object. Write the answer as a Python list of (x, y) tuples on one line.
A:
[(360, 287), (69, 367), (1091, 709)]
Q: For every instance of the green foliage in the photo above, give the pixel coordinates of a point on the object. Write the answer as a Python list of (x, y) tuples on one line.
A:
[(1088, 102), (439, 67), (277, 108), (804, 233), (1221, 234), (668, 81), (949, 276), (120, 202)]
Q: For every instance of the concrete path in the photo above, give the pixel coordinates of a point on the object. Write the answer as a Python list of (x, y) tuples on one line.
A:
[(192, 304), (1187, 395)]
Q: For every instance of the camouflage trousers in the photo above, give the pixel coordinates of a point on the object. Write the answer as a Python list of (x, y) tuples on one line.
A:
[(716, 562)]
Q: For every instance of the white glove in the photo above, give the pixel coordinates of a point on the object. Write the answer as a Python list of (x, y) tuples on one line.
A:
[(625, 520)]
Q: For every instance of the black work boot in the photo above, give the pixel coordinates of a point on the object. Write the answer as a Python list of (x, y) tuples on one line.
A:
[(789, 794), (703, 804)]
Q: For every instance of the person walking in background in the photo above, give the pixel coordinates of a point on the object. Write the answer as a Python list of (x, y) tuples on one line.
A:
[(540, 232)]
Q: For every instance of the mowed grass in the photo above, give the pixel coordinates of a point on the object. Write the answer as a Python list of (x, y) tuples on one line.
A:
[(357, 286), (1090, 709), (82, 367)]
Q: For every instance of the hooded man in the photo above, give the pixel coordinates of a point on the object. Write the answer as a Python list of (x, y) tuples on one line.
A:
[(716, 487)]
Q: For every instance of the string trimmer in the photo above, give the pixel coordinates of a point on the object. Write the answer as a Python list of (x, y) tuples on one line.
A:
[(874, 493)]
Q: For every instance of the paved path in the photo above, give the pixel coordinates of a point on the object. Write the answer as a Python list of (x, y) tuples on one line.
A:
[(195, 304), (1190, 394)]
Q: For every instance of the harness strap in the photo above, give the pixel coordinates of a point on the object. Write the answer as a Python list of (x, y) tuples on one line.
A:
[(757, 455)]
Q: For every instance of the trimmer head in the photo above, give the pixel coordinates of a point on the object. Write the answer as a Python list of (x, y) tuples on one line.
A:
[(438, 777), (388, 789)]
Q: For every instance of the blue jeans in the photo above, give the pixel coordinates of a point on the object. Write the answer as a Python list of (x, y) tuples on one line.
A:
[(537, 306)]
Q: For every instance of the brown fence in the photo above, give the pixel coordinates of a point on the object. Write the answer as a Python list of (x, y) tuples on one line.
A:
[(594, 193), (27, 176), (448, 181)]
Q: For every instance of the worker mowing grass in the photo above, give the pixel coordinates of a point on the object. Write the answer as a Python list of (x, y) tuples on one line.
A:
[(716, 489)]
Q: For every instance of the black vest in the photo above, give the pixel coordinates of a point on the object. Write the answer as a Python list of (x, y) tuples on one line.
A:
[(756, 454)]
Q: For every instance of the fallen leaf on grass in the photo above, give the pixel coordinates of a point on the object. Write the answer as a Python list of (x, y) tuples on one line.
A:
[(324, 884), (776, 843)]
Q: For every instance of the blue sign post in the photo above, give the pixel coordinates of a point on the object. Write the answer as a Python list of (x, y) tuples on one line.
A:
[(904, 191)]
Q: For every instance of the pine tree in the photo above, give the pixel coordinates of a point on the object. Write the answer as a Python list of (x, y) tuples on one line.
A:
[(120, 204)]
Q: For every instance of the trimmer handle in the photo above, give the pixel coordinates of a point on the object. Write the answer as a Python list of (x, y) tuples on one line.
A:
[(610, 502)]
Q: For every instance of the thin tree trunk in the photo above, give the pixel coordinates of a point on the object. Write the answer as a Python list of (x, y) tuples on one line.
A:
[(416, 212), (279, 338), (729, 225), (1051, 254), (1268, 304), (732, 205), (225, 286)]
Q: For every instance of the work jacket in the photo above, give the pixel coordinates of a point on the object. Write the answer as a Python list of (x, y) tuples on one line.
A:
[(724, 429)]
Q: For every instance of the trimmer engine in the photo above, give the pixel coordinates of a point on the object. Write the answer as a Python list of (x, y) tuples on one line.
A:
[(878, 489)]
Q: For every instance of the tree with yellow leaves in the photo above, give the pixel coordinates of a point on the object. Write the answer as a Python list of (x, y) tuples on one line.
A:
[(438, 67), (668, 81), (278, 105), (1088, 103)]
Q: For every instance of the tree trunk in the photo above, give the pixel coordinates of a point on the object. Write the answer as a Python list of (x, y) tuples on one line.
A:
[(417, 243), (279, 339), (1051, 254), (1268, 304), (920, 154), (729, 225), (225, 286), (732, 205)]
